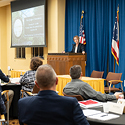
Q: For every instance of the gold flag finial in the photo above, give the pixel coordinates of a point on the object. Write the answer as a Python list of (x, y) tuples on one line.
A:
[(82, 11), (82, 14)]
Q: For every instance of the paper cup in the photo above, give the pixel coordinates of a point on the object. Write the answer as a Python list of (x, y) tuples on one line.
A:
[(105, 107)]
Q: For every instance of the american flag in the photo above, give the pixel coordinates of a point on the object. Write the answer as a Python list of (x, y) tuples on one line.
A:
[(82, 34), (115, 39)]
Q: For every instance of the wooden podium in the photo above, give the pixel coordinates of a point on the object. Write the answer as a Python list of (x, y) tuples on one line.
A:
[(61, 62)]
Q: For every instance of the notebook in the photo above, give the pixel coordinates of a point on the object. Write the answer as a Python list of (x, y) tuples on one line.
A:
[(90, 103)]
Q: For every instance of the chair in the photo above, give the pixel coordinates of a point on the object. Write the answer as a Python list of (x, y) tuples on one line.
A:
[(78, 97), (2, 119), (7, 104), (97, 74), (113, 79), (29, 93), (35, 91)]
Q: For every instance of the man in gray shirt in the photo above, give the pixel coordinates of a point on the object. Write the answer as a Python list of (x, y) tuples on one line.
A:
[(78, 87)]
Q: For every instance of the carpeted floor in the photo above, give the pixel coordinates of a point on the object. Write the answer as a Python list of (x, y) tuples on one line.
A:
[(14, 122)]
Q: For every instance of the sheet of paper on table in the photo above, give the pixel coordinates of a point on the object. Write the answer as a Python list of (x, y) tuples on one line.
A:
[(88, 112), (103, 116), (95, 114), (2, 84), (15, 80)]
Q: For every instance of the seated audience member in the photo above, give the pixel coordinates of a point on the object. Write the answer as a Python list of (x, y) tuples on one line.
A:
[(78, 87), (2, 106), (48, 108), (11, 92), (27, 80)]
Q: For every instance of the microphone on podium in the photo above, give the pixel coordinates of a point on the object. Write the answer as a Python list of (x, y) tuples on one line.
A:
[(67, 48)]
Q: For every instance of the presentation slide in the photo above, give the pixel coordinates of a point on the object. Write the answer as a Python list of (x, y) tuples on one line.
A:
[(28, 28)]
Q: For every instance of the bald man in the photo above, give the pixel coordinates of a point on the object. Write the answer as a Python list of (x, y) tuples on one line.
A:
[(48, 108)]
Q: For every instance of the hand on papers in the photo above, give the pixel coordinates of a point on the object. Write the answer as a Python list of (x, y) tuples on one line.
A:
[(17, 83), (117, 94)]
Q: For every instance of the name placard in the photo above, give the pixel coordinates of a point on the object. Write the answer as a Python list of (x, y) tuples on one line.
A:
[(116, 108), (122, 101)]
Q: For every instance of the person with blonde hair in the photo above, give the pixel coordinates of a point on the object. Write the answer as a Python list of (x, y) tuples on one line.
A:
[(77, 47)]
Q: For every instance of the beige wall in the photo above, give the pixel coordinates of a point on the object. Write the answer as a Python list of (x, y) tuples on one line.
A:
[(56, 25), (54, 36), (16, 64), (61, 25), (3, 39)]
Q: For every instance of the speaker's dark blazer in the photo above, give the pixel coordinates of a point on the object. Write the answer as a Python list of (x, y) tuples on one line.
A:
[(48, 108), (80, 48)]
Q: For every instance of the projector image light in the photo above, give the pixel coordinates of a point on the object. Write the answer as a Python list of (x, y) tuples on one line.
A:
[(18, 27)]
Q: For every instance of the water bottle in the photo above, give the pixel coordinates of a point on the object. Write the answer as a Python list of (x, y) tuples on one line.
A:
[(21, 75)]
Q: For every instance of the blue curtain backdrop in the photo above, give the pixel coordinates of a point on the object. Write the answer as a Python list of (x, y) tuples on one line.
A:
[(98, 22)]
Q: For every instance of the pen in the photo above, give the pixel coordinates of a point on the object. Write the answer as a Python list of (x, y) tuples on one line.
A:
[(94, 114), (104, 115)]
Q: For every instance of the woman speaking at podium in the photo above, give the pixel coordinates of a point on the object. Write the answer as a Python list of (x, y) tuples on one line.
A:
[(77, 47)]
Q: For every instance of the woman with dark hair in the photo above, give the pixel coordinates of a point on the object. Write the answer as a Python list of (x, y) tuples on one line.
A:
[(27, 80)]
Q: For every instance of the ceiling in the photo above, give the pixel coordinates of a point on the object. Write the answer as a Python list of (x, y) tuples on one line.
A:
[(5, 2)]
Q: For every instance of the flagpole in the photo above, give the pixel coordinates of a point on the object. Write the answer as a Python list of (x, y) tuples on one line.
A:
[(115, 40), (114, 65), (81, 29), (81, 16)]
